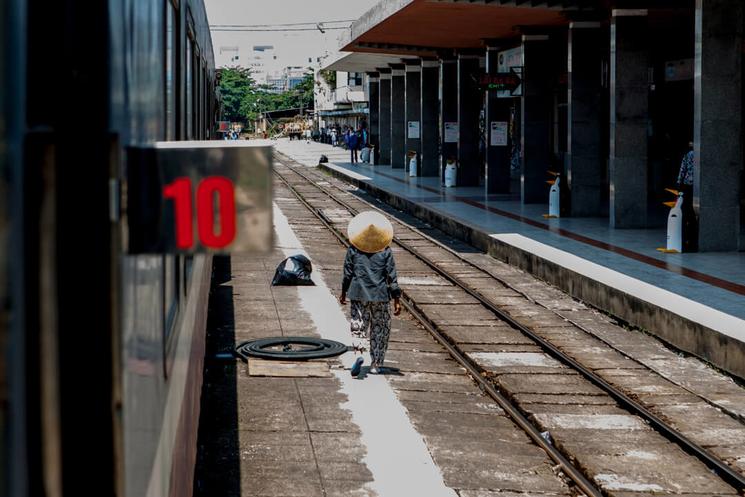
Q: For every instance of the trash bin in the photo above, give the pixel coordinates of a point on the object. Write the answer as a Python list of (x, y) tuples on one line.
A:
[(413, 166), (450, 173)]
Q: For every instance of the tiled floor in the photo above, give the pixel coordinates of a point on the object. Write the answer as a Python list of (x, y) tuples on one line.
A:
[(629, 251)]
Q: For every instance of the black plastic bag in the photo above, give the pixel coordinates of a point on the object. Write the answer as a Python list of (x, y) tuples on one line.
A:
[(294, 271), (323, 159)]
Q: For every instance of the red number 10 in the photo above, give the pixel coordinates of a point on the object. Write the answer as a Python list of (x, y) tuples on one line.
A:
[(180, 192)]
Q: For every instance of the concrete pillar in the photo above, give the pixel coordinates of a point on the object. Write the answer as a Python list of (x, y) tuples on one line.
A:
[(584, 163), (373, 125), (398, 116), (448, 93), (384, 128), (430, 112), (413, 110), (718, 123), (497, 152), (629, 116), (469, 107), (536, 103)]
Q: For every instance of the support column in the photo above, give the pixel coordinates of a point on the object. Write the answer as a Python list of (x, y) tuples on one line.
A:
[(718, 123), (497, 150), (373, 125), (430, 112), (469, 108), (536, 118), (398, 117), (413, 110), (629, 116), (384, 128), (448, 112), (584, 163)]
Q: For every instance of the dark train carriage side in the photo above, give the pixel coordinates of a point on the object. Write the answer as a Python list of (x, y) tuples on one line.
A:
[(102, 352)]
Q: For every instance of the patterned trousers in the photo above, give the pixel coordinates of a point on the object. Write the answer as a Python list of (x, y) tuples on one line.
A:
[(372, 320)]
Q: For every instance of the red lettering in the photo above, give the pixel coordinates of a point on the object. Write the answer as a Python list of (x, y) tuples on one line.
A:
[(180, 192), (222, 188)]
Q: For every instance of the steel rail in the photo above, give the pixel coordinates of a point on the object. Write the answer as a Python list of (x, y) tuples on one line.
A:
[(719, 467), (508, 407)]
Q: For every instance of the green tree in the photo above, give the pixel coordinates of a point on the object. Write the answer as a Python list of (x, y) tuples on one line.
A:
[(236, 84), (243, 99)]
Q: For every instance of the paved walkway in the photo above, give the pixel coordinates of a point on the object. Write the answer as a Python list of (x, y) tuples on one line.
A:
[(716, 280)]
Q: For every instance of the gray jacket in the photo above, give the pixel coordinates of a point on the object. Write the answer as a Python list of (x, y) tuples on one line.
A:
[(370, 277)]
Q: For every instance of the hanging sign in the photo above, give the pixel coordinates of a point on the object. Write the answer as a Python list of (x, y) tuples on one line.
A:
[(413, 129), (196, 197), (451, 132), (498, 133), (508, 61), (502, 81)]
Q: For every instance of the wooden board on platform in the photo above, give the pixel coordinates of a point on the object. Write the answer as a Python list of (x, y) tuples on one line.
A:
[(288, 369)]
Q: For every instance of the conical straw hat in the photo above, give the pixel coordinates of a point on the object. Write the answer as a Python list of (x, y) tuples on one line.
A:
[(370, 232)]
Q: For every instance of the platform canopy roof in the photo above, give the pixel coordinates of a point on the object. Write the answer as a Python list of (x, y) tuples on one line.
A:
[(360, 61), (427, 28), (422, 27)]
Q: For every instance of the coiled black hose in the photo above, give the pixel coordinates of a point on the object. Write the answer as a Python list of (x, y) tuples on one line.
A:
[(292, 348)]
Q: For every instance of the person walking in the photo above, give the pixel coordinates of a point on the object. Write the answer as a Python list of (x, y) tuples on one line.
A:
[(353, 144), (370, 282), (685, 185)]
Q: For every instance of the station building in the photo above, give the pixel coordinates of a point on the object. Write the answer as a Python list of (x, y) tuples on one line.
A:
[(607, 93)]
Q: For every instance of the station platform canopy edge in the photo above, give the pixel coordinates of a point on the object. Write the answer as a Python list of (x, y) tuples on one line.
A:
[(426, 27)]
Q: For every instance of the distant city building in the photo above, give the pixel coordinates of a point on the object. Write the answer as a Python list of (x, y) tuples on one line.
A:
[(286, 79), (339, 97)]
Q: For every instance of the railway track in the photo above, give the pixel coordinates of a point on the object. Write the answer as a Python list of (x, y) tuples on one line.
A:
[(299, 180)]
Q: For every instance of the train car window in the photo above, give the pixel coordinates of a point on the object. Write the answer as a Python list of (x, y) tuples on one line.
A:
[(201, 101), (198, 86), (188, 79), (196, 118), (205, 114), (170, 70)]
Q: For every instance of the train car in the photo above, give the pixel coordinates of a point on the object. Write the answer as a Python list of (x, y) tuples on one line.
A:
[(102, 352)]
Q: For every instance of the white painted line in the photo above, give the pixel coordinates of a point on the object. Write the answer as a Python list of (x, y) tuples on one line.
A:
[(500, 359), (397, 456), (591, 421), (709, 317)]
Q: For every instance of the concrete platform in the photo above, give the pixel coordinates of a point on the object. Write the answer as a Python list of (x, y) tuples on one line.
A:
[(294, 435), (696, 302)]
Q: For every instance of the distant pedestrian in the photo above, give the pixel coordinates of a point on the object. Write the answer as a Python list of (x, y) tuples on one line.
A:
[(365, 138), (333, 137), (353, 144), (370, 282), (685, 175), (685, 185)]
